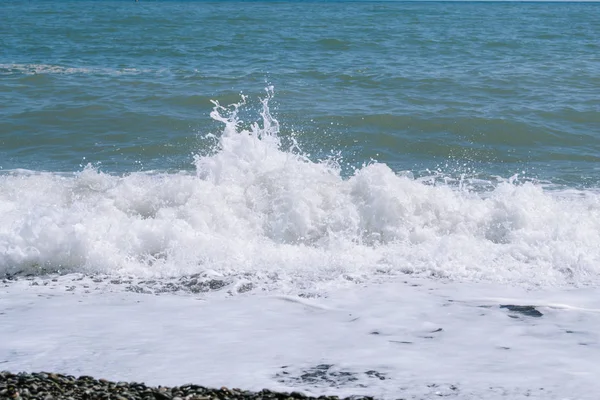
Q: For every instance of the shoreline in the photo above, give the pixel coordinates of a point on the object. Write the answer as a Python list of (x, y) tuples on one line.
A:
[(54, 386)]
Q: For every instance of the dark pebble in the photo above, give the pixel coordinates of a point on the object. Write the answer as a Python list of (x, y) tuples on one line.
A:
[(52, 386)]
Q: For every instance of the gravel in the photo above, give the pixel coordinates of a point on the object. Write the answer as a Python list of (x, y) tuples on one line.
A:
[(51, 386)]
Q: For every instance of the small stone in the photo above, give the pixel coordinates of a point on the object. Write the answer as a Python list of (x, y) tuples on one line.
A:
[(162, 396)]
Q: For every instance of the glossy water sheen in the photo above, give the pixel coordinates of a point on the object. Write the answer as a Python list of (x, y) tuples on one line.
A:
[(478, 88)]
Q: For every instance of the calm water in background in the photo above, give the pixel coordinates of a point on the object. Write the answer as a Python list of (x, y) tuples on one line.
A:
[(478, 88)]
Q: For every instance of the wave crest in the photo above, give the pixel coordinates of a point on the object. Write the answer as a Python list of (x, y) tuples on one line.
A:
[(254, 210)]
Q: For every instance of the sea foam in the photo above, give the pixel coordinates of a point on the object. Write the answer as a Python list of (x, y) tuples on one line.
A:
[(256, 211)]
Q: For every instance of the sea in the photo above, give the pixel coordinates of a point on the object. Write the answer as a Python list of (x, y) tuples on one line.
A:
[(355, 198)]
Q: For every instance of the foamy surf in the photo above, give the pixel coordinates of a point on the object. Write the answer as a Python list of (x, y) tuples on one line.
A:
[(413, 339), (256, 213)]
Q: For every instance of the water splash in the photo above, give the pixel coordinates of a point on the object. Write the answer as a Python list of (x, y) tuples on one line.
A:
[(259, 214)]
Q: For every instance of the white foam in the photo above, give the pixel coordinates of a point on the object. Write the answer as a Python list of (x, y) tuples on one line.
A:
[(256, 211), (415, 339)]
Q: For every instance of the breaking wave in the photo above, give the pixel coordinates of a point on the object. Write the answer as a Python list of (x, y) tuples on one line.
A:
[(260, 212)]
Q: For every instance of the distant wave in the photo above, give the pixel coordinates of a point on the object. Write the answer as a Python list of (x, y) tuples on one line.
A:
[(31, 69)]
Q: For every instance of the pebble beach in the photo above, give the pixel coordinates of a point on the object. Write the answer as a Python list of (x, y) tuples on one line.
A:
[(51, 386)]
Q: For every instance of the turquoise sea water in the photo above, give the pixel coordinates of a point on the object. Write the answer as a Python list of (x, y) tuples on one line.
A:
[(480, 89)]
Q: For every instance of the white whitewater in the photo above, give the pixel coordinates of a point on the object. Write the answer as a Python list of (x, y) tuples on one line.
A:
[(255, 210), (392, 340)]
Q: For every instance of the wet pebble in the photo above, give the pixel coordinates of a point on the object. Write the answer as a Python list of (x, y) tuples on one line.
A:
[(52, 386)]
